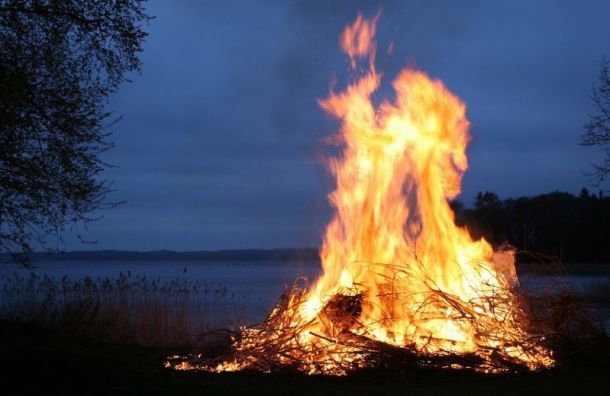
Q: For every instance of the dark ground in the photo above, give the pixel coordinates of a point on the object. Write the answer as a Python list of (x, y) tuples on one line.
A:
[(39, 361)]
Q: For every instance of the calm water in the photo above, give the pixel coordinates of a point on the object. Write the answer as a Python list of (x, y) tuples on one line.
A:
[(260, 282)]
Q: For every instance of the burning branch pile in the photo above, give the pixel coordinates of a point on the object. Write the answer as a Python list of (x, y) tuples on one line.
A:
[(401, 282), (339, 338)]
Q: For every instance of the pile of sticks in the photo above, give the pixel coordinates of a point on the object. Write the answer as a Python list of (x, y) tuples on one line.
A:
[(278, 343)]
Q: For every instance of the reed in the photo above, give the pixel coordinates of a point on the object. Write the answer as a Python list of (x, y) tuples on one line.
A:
[(177, 314)]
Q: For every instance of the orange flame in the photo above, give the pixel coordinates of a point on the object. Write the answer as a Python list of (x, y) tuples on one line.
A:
[(357, 40), (397, 270), (393, 238)]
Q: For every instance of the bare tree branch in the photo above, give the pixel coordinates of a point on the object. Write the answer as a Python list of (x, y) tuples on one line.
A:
[(61, 59), (597, 130)]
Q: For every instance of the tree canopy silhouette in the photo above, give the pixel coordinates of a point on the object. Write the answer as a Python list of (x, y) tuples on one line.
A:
[(597, 130), (558, 224), (60, 60)]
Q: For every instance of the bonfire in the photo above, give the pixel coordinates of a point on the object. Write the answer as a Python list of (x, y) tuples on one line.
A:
[(401, 282)]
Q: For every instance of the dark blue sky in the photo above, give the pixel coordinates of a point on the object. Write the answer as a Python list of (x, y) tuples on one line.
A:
[(219, 146)]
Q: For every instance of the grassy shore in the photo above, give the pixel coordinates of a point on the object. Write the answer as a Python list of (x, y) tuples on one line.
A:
[(111, 336), (123, 309), (39, 360)]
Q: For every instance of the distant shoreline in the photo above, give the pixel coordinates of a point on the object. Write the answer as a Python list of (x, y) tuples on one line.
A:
[(284, 254), (165, 255)]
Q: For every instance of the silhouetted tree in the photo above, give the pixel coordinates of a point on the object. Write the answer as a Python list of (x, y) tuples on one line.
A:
[(59, 62), (597, 130), (572, 228), (458, 208), (487, 201), (584, 193), (488, 217)]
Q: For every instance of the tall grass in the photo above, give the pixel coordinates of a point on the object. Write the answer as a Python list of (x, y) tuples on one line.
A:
[(151, 312)]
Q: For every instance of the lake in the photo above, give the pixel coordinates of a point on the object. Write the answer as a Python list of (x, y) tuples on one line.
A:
[(260, 282)]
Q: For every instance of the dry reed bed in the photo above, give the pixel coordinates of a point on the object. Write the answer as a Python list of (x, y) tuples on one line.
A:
[(151, 312)]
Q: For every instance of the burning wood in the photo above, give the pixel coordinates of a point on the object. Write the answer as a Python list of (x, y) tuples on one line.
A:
[(342, 312), (401, 282)]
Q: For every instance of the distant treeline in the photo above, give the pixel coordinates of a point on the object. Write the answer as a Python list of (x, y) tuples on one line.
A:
[(561, 225)]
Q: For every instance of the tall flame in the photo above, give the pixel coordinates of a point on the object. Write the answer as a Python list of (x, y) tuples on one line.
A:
[(396, 268), (394, 233), (393, 238)]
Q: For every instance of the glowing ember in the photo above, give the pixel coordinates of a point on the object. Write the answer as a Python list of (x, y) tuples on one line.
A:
[(399, 276)]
